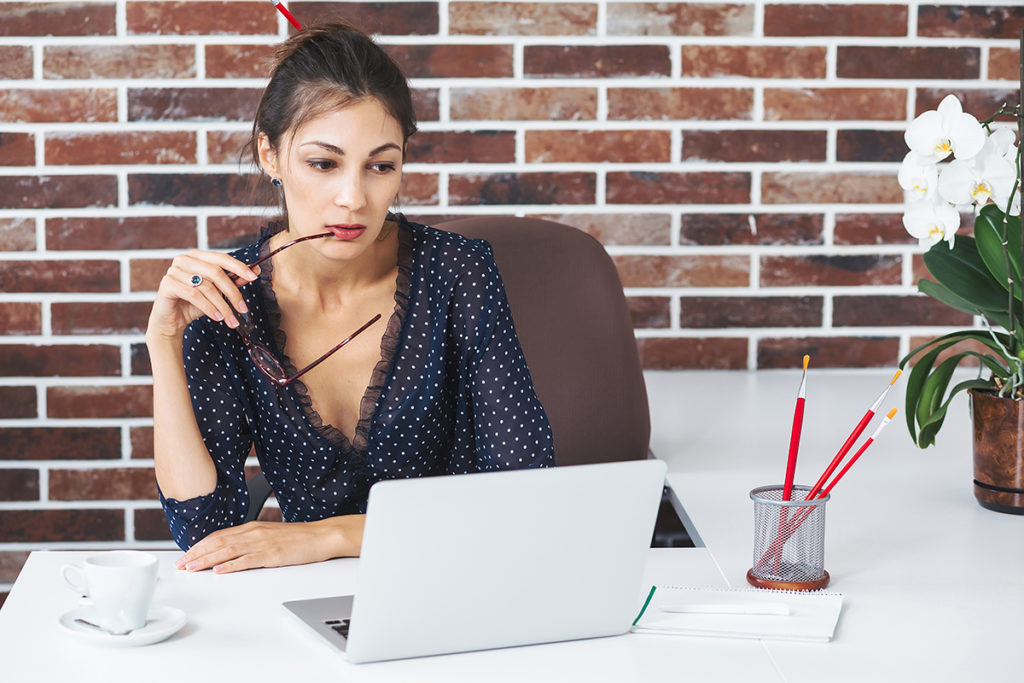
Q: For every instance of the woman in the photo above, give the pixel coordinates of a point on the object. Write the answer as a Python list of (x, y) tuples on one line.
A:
[(430, 380)]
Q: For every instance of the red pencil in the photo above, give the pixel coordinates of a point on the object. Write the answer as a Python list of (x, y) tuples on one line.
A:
[(794, 438), (287, 15), (860, 451)]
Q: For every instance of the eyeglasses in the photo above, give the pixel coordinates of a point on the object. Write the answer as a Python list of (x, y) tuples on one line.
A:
[(262, 356)]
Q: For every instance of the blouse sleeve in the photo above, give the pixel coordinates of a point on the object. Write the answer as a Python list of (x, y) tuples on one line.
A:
[(511, 429), (225, 431)]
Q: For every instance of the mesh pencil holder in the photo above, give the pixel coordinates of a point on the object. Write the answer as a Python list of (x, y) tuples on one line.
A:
[(789, 540)]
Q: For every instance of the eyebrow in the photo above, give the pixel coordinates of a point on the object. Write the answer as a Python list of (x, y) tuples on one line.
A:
[(334, 149)]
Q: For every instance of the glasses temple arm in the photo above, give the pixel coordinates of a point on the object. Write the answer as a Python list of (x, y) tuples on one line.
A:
[(344, 341)]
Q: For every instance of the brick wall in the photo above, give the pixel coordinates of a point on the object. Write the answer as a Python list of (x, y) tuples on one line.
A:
[(737, 159)]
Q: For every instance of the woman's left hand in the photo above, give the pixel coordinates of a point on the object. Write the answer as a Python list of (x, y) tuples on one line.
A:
[(275, 544)]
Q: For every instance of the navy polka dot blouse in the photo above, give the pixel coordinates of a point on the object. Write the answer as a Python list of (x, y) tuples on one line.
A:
[(451, 394)]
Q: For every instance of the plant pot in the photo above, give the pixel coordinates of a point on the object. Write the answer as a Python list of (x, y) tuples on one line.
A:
[(998, 452)]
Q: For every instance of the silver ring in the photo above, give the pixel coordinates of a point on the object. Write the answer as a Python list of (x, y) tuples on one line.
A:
[(196, 280)]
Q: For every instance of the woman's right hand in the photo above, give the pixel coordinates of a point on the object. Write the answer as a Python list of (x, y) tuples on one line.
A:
[(178, 302)]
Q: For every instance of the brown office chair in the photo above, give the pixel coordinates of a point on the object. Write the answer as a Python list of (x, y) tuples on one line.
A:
[(573, 323)]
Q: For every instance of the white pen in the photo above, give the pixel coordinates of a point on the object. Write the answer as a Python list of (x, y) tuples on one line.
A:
[(774, 609)]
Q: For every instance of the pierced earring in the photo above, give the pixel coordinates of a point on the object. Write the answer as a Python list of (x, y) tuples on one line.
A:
[(276, 182)]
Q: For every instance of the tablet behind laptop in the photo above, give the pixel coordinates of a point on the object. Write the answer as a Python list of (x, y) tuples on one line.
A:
[(497, 559)]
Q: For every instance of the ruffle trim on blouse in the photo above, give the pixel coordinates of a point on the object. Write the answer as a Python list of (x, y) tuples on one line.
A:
[(389, 342)]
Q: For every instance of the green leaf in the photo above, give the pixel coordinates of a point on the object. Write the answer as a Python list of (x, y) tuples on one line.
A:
[(988, 236), (962, 270), (930, 428), (980, 336), (951, 299)]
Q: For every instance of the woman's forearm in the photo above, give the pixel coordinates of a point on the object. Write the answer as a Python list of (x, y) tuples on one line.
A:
[(184, 468)]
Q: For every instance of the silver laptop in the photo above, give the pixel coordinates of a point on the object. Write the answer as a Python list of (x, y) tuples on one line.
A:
[(496, 559)]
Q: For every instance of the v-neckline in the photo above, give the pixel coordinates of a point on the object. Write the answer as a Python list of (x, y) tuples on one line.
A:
[(381, 371)]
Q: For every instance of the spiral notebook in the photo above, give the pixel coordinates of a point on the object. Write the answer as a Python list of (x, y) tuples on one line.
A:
[(736, 613)]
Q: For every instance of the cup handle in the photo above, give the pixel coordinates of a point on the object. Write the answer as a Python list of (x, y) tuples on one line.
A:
[(75, 579)]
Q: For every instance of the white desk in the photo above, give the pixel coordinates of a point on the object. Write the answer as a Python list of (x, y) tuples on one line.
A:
[(934, 584)]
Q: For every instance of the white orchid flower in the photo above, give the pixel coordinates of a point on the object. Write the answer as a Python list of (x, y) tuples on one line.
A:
[(931, 222), (936, 134), (986, 176), (918, 177)]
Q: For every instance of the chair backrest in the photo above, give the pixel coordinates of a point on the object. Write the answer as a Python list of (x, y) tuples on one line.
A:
[(573, 323)]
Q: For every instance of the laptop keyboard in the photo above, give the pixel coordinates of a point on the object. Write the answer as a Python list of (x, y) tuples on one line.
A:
[(339, 626)]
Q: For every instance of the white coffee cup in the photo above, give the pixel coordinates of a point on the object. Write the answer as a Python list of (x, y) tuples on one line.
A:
[(120, 584)]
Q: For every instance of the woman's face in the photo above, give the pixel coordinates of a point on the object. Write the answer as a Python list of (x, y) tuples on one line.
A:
[(340, 172)]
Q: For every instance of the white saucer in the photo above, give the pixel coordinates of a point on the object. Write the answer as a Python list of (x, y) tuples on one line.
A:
[(162, 622)]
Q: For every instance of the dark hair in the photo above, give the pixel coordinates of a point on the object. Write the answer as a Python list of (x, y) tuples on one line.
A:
[(325, 67)]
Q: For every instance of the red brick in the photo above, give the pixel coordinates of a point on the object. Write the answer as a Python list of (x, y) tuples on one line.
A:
[(200, 18), (453, 61), (648, 229), (59, 276), (60, 443), (17, 402), (15, 61), (871, 228), (828, 352), (809, 187), (981, 103), (426, 105), (596, 61), (454, 147), (197, 189), (522, 19), (238, 61), (57, 19), (754, 145), (680, 19), (685, 353), (19, 484), (58, 191), (100, 317), (641, 187), (767, 229), (894, 311), (709, 61), (748, 311), (151, 525), (17, 149), (521, 188), (1003, 64), (192, 104), (703, 270), (418, 189), (231, 232), (21, 317), (857, 61), (383, 18), (144, 275), (11, 562), (74, 105), (524, 104), (830, 271), (835, 104), (100, 401), (649, 311), (56, 360), (18, 234), (680, 104), (579, 146), (229, 147), (134, 147), (870, 145), (959, 21), (121, 483), (140, 362), (835, 20), (141, 443), (52, 526), (119, 61), (114, 234)]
